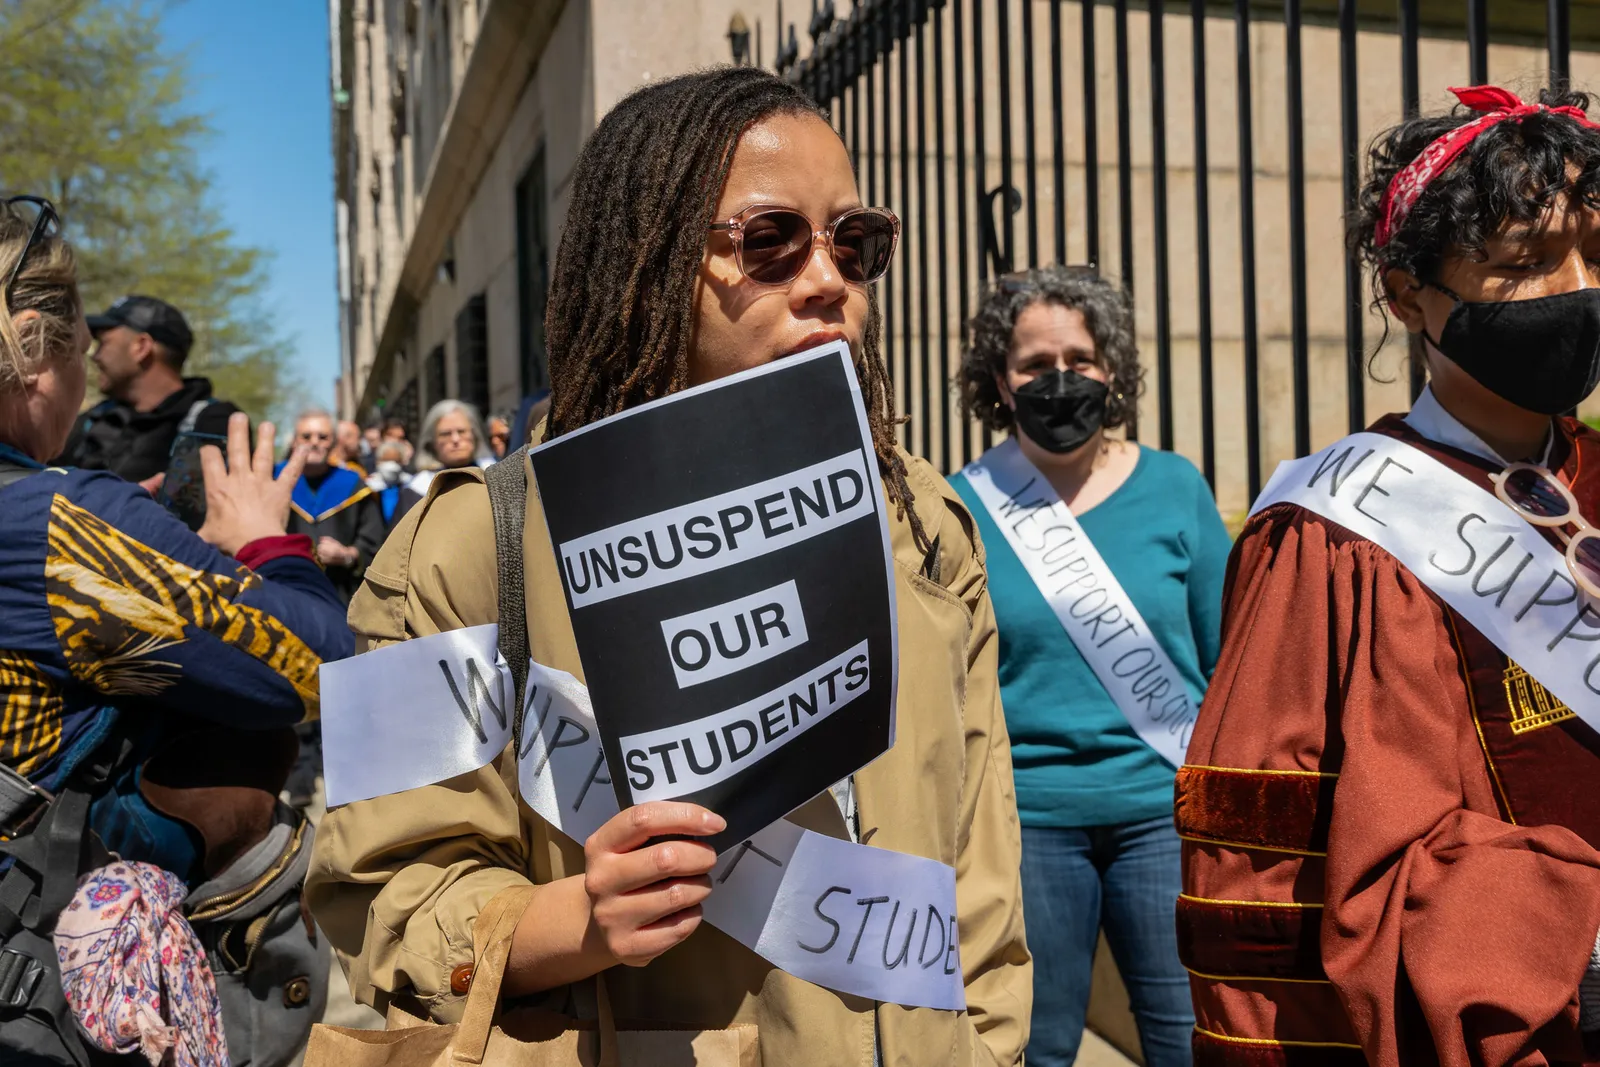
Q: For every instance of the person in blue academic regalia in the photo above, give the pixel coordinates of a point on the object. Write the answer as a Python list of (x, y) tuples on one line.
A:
[(334, 507)]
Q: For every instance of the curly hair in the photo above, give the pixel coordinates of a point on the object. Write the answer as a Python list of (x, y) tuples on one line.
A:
[(1106, 311), (620, 318), (1513, 172)]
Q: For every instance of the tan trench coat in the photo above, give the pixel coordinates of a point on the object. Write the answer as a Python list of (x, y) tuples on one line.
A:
[(397, 881)]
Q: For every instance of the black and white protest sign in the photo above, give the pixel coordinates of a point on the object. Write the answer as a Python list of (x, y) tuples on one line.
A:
[(852, 917), (725, 557), (1471, 550)]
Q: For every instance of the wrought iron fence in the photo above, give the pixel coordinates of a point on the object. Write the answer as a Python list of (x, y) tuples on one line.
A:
[(994, 163)]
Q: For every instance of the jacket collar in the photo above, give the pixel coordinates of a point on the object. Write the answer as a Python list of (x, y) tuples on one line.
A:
[(18, 457)]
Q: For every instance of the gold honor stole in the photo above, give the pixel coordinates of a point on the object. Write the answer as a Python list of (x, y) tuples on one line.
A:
[(1472, 551), (850, 917)]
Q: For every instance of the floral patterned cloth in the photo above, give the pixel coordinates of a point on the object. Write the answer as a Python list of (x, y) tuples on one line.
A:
[(133, 970)]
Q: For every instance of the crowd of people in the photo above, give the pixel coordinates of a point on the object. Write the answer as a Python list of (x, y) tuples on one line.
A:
[(1380, 845)]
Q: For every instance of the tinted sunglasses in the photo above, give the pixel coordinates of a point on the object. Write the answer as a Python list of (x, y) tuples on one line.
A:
[(45, 223), (1537, 495), (772, 245)]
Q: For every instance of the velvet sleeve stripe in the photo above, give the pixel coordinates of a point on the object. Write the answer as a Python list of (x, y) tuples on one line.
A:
[(1284, 811), (1239, 941)]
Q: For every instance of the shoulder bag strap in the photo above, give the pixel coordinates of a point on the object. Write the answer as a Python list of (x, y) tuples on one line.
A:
[(507, 481)]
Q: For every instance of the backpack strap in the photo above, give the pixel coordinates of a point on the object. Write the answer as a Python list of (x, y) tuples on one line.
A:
[(192, 417), (507, 482), (55, 846), (46, 863)]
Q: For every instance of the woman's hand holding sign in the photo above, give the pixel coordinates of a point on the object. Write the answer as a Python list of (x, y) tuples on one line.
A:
[(644, 900), (635, 900)]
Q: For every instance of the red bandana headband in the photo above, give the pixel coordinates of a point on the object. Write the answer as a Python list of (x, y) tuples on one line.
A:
[(1407, 185)]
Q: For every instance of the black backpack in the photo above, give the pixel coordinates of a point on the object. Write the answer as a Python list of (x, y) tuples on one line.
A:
[(54, 847)]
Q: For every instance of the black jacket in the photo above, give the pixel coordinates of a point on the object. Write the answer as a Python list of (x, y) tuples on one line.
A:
[(134, 445)]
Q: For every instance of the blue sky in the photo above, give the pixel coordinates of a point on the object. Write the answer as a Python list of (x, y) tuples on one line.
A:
[(260, 73)]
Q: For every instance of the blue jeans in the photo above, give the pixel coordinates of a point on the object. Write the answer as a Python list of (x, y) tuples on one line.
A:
[(1125, 878)]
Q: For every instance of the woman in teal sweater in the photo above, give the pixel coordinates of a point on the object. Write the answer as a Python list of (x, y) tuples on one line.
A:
[(1106, 563)]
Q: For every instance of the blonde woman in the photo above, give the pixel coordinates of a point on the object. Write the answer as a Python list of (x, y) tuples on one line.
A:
[(138, 660)]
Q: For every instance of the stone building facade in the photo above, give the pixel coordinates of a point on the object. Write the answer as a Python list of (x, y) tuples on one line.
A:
[(456, 127)]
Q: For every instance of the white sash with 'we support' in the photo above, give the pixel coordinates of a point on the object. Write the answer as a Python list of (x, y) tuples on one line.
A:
[(1091, 605), (1476, 554)]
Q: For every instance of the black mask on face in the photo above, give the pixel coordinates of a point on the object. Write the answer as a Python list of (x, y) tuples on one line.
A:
[(1060, 410), (1542, 355)]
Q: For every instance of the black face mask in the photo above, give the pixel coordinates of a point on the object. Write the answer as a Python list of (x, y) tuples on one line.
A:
[(1061, 410), (1542, 355)]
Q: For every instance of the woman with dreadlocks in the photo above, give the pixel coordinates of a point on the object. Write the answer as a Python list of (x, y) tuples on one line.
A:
[(1390, 819), (650, 294)]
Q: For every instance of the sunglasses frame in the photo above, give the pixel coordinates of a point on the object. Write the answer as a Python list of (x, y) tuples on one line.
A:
[(1571, 517), (734, 227), (47, 217)]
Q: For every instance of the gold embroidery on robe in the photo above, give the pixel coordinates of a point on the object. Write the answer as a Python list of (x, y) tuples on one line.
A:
[(1532, 705)]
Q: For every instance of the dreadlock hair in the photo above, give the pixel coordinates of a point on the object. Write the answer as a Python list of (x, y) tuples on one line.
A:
[(1512, 172), (620, 317)]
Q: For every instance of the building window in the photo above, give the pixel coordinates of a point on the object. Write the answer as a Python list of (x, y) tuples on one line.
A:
[(405, 408), (433, 375), (472, 352), (533, 274), (447, 52)]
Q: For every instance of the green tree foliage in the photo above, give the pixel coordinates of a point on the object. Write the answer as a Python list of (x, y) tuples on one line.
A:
[(92, 116)]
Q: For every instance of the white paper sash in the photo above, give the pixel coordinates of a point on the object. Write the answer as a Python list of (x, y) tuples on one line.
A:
[(850, 917), (1093, 608), (1460, 541)]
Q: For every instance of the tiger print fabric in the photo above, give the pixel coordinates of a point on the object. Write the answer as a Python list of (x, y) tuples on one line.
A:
[(118, 605), (30, 714), (131, 623)]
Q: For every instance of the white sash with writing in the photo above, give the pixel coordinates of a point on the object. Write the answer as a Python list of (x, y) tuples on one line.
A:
[(850, 917), (1463, 543), (1090, 603)]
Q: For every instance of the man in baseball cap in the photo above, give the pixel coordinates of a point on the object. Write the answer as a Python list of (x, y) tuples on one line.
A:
[(142, 343), (145, 314)]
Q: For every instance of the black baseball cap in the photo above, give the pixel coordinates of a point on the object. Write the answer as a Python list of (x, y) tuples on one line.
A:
[(148, 315)]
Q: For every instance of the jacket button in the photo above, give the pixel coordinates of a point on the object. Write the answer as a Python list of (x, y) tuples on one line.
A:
[(296, 991), (461, 979)]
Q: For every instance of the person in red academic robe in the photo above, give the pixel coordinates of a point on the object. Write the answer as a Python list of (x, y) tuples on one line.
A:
[(1390, 828)]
